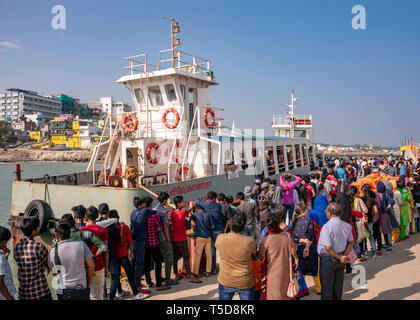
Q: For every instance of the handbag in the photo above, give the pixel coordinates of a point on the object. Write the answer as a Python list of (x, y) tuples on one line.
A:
[(293, 288), (394, 222), (71, 294)]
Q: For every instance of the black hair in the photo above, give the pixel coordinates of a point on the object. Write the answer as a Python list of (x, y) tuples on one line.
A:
[(113, 214), (68, 218), (178, 199), (401, 183), (274, 182), (148, 200), (282, 212), (221, 197), (267, 180), (211, 195), (137, 202), (103, 208), (79, 212), (237, 221), (5, 234), (273, 220), (229, 199), (240, 196), (197, 207), (317, 176), (92, 213), (162, 196), (28, 225), (307, 178), (313, 176), (63, 231), (343, 200)]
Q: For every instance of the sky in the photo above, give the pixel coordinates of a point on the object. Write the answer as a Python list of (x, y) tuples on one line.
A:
[(361, 86)]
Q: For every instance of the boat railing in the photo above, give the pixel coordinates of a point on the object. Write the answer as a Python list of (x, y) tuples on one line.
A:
[(304, 120), (178, 59)]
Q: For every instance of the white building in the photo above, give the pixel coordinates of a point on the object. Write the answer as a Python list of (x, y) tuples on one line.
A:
[(18, 102), (114, 108), (85, 131)]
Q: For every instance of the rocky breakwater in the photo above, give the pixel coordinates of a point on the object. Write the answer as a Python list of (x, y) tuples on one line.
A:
[(43, 155)]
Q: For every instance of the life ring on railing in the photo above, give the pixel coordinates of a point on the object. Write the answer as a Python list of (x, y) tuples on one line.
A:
[(178, 144), (165, 122), (186, 172), (131, 124), (208, 111), (151, 146)]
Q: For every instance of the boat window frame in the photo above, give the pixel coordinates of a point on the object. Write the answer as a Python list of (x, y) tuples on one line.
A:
[(281, 164), (156, 104), (298, 153), (140, 96), (169, 96), (271, 168), (290, 159)]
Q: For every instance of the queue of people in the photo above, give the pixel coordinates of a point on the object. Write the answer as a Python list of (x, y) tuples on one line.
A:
[(269, 238)]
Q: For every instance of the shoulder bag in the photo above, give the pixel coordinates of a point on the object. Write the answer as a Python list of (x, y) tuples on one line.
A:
[(71, 294), (293, 287)]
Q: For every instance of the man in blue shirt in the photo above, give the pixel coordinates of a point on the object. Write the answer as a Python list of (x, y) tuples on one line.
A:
[(214, 209), (203, 224), (341, 176), (138, 219)]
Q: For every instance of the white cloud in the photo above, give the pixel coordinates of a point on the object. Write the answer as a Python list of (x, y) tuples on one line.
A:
[(7, 45)]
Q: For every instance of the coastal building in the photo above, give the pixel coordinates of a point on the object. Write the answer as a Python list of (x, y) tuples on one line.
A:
[(18, 102), (107, 105)]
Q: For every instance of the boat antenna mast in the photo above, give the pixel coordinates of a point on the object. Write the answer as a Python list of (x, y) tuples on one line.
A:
[(174, 42), (291, 113)]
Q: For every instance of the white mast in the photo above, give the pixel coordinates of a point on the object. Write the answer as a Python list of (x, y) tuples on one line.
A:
[(291, 113)]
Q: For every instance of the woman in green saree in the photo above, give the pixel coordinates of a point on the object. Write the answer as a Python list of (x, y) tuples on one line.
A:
[(405, 208)]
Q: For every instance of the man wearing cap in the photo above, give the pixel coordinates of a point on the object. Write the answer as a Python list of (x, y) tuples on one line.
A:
[(256, 190)]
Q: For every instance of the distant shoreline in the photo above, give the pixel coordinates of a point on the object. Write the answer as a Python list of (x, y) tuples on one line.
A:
[(30, 155)]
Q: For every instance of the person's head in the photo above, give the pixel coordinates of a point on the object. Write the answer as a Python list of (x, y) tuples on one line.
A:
[(265, 187), (30, 226), (139, 203), (257, 183), (103, 209), (79, 212), (221, 198), (333, 210), (287, 177), (113, 214), (5, 236), (273, 221), (92, 214), (267, 180), (313, 176), (401, 183), (148, 202), (179, 202), (62, 231), (240, 196), (163, 198), (307, 178), (68, 218), (281, 212), (301, 209), (317, 176), (197, 208), (247, 191), (211, 195), (262, 198), (229, 199), (237, 221)]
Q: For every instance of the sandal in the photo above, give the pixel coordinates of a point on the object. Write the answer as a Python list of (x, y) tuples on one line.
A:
[(163, 287), (207, 274), (195, 280)]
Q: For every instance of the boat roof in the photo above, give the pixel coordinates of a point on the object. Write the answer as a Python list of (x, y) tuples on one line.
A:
[(253, 138), (165, 72)]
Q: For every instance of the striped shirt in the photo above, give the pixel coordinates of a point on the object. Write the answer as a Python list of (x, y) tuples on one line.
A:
[(153, 223), (31, 258)]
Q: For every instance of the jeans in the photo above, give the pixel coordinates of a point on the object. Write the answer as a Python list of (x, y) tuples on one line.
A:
[(213, 234), (48, 297), (157, 258), (377, 234), (168, 257), (139, 253), (332, 276), (371, 240), (251, 230), (227, 293), (128, 268), (290, 210), (114, 270)]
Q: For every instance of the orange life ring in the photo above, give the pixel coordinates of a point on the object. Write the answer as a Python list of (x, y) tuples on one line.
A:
[(151, 146), (165, 122), (132, 124), (186, 172), (208, 111)]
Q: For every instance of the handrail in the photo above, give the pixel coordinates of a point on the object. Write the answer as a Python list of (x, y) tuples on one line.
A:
[(186, 149)]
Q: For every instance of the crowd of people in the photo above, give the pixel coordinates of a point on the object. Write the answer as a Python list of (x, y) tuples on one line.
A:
[(269, 237)]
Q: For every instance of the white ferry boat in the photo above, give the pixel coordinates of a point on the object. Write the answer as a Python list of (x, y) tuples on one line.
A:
[(175, 141)]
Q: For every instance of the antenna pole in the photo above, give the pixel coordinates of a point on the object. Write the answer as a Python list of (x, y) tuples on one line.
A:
[(173, 42)]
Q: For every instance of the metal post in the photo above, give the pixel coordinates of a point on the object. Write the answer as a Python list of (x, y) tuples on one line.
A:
[(18, 172)]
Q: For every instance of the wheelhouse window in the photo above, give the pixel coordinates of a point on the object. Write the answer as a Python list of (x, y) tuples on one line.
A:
[(298, 156), (155, 96), (280, 159), (182, 88), (139, 96), (290, 161), (170, 92)]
